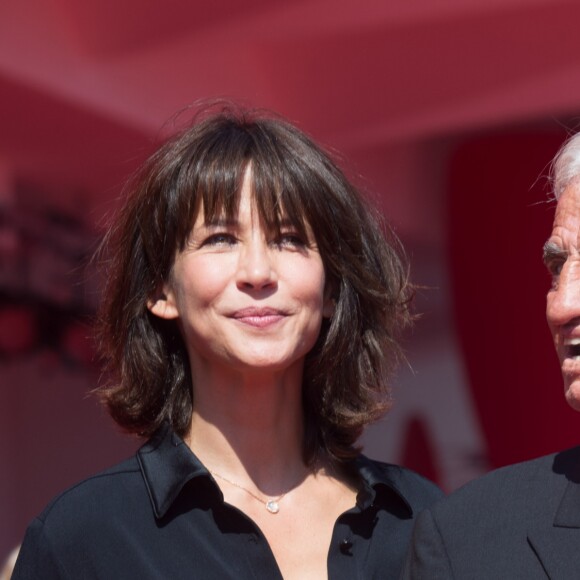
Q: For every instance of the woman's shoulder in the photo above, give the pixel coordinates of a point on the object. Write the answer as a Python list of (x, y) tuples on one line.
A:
[(417, 491), (81, 520), (103, 492)]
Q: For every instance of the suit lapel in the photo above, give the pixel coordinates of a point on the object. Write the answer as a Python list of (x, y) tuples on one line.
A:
[(558, 546)]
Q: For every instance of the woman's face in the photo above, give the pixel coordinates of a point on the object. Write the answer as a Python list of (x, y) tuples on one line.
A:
[(246, 299)]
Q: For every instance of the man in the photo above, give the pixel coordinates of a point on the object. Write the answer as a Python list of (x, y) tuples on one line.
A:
[(522, 521)]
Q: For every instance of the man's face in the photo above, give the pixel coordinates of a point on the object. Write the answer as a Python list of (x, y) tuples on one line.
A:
[(562, 258)]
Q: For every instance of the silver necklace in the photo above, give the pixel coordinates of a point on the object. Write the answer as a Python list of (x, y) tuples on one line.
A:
[(272, 505)]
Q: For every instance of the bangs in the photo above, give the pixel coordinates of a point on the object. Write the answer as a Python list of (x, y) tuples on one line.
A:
[(280, 188)]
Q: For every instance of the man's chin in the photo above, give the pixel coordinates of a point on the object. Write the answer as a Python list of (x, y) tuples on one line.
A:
[(573, 395)]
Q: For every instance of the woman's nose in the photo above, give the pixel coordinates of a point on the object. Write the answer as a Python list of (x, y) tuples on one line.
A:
[(256, 268), (563, 302)]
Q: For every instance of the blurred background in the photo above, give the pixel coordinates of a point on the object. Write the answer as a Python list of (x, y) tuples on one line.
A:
[(447, 112)]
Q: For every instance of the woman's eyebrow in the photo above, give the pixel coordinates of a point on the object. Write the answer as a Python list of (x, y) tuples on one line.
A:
[(218, 222), (286, 222)]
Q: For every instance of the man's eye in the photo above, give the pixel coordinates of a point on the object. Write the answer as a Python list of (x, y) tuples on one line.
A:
[(555, 267), (221, 239)]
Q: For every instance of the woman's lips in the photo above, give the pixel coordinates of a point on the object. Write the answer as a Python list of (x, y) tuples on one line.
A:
[(258, 317)]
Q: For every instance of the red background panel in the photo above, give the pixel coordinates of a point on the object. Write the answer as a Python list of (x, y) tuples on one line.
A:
[(499, 219)]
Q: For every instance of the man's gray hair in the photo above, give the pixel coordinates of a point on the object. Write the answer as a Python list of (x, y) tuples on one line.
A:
[(566, 166)]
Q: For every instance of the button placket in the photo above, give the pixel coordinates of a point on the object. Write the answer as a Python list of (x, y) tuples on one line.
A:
[(345, 546)]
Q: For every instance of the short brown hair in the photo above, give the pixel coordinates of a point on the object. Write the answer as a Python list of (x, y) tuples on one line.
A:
[(345, 379)]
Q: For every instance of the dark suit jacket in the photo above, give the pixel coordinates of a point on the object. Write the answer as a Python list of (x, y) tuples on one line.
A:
[(521, 521)]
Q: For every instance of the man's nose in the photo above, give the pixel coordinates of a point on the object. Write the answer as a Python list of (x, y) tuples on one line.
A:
[(256, 267), (563, 301)]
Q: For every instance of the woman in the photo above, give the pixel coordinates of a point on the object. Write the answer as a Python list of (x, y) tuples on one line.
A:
[(250, 321)]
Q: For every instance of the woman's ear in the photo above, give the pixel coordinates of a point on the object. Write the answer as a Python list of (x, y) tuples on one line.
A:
[(163, 304), (328, 308), (329, 305)]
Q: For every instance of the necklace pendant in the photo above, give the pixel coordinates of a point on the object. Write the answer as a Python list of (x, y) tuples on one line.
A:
[(272, 506)]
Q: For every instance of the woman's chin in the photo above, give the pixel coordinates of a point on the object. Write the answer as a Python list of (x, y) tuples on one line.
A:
[(260, 362)]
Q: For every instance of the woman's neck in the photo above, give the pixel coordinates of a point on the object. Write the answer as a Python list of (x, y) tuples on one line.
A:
[(249, 425)]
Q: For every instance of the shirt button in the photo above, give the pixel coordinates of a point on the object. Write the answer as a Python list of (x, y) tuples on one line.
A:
[(345, 546)]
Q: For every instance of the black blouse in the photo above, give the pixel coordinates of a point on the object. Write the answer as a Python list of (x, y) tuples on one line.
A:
[(161, 515)]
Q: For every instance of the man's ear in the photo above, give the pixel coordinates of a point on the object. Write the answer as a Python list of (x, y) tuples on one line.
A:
[(163, 304)]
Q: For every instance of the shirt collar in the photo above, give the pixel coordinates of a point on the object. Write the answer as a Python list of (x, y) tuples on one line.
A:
[(168, 464), (382, 482)]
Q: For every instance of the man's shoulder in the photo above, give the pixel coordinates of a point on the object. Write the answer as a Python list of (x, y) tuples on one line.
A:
[(483, 529), (541, 469), (514, 487)]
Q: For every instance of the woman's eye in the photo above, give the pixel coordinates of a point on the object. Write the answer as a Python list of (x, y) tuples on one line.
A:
[(290, 239), (221, 239)]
